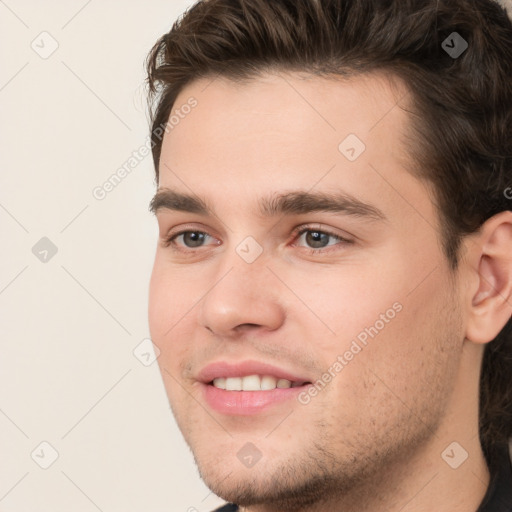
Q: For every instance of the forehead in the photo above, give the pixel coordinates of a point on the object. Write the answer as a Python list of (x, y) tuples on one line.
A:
[(290, 131), (286, 114), (295, 103)]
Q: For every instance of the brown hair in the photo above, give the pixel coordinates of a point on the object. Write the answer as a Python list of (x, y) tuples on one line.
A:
[(462, 105)]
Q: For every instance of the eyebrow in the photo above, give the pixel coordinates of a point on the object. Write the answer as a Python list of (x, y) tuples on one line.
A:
[(289, 203)]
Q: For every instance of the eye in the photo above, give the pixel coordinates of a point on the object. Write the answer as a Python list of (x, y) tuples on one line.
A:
[(319, 238), (191, 239)]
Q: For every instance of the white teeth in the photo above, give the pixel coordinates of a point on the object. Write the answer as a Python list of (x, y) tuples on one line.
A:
[(220, 383), (234, 384), (268, 382), (253, 383)]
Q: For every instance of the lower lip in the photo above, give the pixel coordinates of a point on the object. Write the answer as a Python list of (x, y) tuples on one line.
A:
[(247, 402)]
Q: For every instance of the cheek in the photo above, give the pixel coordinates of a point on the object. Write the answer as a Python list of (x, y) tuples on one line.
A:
[(159, 302), (163, 307), (419, 348), (398, 318), (168, 294), (348, 300), (170, 301)]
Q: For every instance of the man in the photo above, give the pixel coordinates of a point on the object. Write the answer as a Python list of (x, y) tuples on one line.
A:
[(332, 287)]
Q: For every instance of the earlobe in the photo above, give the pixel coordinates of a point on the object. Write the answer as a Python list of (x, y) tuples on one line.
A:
[(491, 304)]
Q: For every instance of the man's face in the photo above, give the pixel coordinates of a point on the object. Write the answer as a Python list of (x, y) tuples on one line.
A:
[(375, 310)]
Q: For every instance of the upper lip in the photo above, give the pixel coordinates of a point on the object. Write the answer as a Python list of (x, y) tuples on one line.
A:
[(244, 368)]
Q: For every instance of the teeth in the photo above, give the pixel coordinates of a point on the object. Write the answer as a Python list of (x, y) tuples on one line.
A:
[(253, 383), (283, 383), (220, 383), (234, 384), (268, 382)]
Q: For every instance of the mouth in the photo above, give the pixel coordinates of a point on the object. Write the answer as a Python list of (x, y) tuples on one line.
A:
[(254, 383), (248, 388)]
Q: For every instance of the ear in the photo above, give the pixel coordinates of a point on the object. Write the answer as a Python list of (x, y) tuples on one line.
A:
[(490, 261)]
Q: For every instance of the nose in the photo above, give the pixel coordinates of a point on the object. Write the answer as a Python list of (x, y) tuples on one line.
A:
[(242, 296)]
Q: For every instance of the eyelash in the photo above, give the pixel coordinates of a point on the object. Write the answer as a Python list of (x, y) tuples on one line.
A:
[(297, 233)]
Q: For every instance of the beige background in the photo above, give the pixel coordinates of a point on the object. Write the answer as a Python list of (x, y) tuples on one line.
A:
[(70, 323), (68, 375)]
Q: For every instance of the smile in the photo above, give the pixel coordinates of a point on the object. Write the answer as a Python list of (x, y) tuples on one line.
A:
[(254, 383)]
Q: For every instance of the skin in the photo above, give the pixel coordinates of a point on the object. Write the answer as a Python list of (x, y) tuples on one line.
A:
[(372, 439)]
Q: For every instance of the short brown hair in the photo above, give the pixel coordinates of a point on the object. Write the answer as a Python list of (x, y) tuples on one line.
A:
[(461, 120)]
